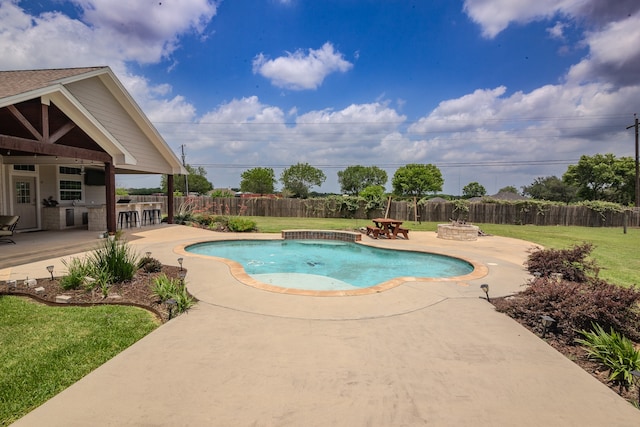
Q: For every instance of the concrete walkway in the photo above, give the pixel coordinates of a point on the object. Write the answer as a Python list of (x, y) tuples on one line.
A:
[(424, 353)]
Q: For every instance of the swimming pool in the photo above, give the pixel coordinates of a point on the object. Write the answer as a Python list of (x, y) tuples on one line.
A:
[(329, 265)]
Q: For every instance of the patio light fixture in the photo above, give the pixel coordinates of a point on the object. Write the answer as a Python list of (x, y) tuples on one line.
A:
[(50, 270), (485, 288), (547, 321), (170, 304), (180, 260)]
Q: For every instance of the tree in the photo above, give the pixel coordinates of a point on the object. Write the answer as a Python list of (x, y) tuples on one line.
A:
[(299, 178), (550, 188), (417, 180), (603, 177), (509, 189), (197, 180), (373, 196), (258, 180), (473, 189), (354, 179)]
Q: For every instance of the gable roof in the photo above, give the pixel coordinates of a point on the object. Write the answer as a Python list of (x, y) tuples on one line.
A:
[(94, 99), (24, 81)]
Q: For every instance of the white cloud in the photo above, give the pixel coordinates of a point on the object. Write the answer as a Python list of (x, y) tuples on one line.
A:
[(109, 32), (146, 31), (560, 121), (299, 71), (496, 15), (557, 31), (614, 54)]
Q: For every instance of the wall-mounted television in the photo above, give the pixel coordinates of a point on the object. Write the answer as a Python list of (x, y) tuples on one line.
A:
[(94, 177)]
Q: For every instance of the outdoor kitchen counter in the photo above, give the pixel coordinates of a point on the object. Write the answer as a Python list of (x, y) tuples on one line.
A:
[(98, 213)]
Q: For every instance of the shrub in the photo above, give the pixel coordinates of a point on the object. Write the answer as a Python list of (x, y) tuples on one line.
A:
[(616, 352), (116, 258), (184, 301), (150, 264), (572, 263), (78, 269), (240, 224), (164, 287), (576, 306)]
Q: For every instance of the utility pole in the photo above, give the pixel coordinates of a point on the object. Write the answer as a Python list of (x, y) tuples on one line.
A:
[(186, 177), (635, 125)]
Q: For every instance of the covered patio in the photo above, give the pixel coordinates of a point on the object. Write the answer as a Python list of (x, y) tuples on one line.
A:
[(64, 136)]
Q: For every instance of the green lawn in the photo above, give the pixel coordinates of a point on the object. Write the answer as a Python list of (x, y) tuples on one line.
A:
[(45, 349), (615, 252)]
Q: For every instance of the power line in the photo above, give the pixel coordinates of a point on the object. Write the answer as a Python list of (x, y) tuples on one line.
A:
[(390, 165), (398, 122)]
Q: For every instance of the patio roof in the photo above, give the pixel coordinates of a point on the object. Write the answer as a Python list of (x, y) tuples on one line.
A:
[(86, 109)]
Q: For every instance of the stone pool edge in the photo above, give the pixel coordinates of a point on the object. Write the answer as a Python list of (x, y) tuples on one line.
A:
[(237, 271)]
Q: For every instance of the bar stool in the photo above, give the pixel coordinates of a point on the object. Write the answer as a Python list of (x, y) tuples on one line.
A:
[(157, 213), (123, 219), (134, 218), (147, 216)]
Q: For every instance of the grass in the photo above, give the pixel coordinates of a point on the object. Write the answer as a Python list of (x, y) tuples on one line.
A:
[(614, 251), (46, 349)]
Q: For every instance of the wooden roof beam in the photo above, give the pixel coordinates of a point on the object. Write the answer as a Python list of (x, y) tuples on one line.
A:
[(36, 147), (24, 122)]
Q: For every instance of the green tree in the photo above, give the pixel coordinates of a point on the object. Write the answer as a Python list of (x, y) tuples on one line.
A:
[(258, 180), (508, 189), (474, 189), (373, 196), (197, 180), (550, 188), (603, 177), (417, 180), (354, 179), (299, 178)]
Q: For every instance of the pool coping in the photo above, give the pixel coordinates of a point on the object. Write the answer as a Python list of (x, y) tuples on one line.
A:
[(236, 269)]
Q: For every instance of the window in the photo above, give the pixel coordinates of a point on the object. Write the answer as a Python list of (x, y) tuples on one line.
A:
[(64, 170), (23, 192), (29, 168), (70, 190), (70, 183)]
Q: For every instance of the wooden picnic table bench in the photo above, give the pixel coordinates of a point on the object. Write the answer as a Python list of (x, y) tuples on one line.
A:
[(388, 227)]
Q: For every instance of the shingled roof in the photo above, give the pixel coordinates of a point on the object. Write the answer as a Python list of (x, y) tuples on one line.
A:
[(20, 81)]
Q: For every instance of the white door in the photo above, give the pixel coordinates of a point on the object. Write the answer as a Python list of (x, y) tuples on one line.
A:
[(24, 202)]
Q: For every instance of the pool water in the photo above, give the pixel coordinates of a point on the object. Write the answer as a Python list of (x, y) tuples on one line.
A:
[(329, 265)]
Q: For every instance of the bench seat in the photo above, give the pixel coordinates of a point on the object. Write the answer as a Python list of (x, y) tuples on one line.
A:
[(373, 231), (7, 227), (404, 232)]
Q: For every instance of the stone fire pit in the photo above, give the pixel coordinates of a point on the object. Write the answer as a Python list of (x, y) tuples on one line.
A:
[(458, 231)]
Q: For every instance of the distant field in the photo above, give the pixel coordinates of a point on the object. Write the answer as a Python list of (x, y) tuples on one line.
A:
[(615, 252)]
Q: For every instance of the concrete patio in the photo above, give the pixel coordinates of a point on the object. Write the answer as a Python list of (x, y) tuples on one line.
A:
[(423, 353)]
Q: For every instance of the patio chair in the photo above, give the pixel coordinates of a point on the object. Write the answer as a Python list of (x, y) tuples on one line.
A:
[(7, 226)]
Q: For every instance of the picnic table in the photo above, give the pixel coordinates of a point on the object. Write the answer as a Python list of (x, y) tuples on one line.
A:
[(388, 227)]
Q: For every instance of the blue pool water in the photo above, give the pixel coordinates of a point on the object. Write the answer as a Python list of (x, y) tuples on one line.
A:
[(329, 265)]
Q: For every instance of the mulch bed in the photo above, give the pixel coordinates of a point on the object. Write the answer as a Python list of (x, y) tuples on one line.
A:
[(578, 355), (137, 292)]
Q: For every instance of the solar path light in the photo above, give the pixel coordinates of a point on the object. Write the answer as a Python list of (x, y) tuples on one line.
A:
[(547, 321)]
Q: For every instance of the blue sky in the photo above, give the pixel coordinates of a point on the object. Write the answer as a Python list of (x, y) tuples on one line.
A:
[(495, 91)]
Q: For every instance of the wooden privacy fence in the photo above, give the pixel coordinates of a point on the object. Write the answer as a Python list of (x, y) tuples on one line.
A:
[(482, 213)]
